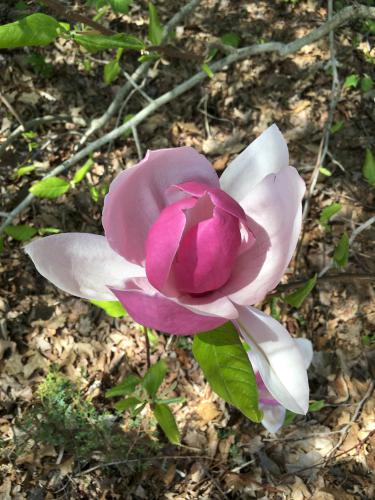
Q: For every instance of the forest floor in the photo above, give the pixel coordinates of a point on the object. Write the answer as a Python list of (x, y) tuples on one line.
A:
[(327, 454)]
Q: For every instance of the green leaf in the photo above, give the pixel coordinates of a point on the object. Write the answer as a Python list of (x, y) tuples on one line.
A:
[(120, 6), (48, 230), (127, 404), (37, 29), (367, 83), (289, 417), (154, 377), (275, 309), (52, 187), (25, 170), (227, 368), (113, 308), (94, 193), (336, 127), (325, 171), (341, 254), (148, 57), (81, 172), (155, 29), (167, 422), (205, 67), (152, 337), (170, 401), (329, 212), (351, 81), (93, 43), (368, 168), (128, 117), (297, 298), (111, 71), (126, 387), (231, 39), (368, 340), (21, 232), (317, 405)]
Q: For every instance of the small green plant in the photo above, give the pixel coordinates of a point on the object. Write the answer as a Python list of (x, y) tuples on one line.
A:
[(39, 65), (66, 420), (139, 392)]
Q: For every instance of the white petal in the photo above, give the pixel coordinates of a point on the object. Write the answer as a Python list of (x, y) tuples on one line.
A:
[(275, 210), (306, 349), (278, 358), (81, 264), (273, 417), (266, 155)]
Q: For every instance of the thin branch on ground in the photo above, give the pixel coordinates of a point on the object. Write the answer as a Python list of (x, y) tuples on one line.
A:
[(353, 419), (11, 109), (29, 125), (343, 432), (136, 86), (62, 10), (98, 123), (143, 459), (346, 277), (323, 147), (353, 236), (357, 446), (137, 143), (349, 13), (361, 228)]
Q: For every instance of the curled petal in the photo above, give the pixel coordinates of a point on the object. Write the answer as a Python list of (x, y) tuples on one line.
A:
[(81, 264), (278, 358), (206, 254), (275, 213), (163, 241), (138, 195), (219, 197), (306, 349), (268, 154), (273, 417), (150, 308)]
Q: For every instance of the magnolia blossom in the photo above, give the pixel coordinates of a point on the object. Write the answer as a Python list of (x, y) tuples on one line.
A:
[(273, 411), (185, 251)]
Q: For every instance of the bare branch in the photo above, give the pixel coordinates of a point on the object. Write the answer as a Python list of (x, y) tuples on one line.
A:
[(98, 123), (29, 126)]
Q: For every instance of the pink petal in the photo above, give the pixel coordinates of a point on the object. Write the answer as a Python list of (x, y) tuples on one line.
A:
[(219, 197), (278, 358), (163, 240), (268, 154), (213, 304), (137, 196), (275, 212), (81, 264), (207, 253), (154, 310)]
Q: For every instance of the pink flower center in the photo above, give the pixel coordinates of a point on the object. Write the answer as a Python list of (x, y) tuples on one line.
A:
[(193, 245)]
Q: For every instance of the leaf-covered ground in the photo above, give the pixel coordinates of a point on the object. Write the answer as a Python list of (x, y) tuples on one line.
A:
[(329, 453)]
